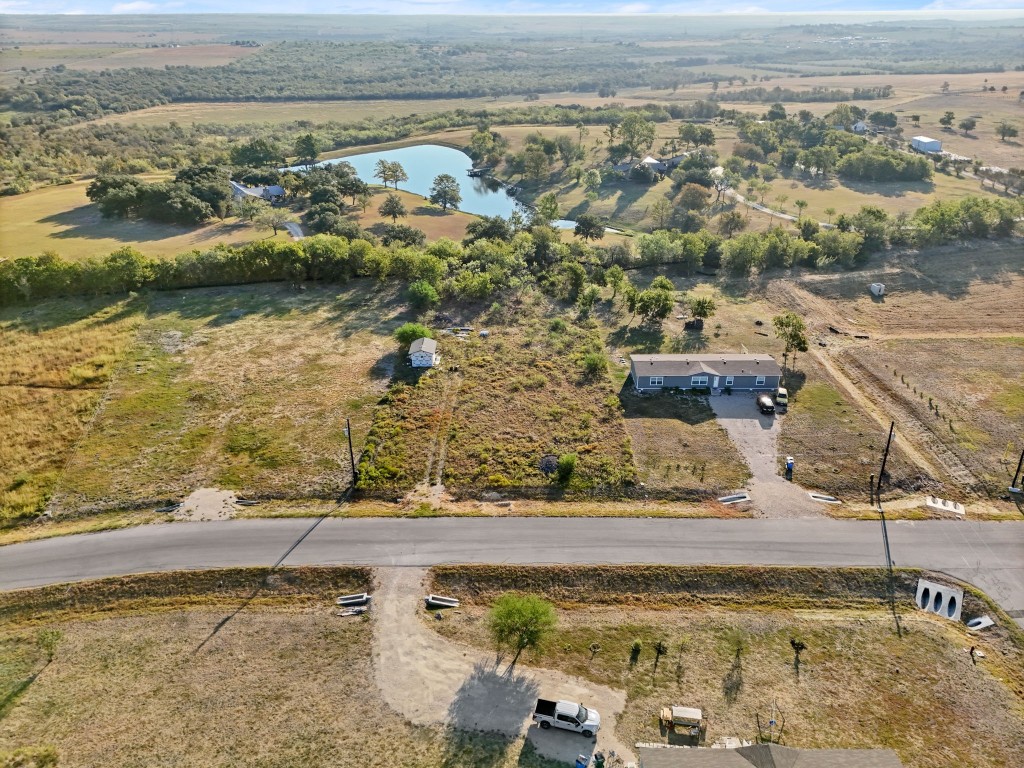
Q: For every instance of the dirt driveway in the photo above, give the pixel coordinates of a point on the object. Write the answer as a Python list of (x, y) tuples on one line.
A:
[(430, 679), (756, 436)]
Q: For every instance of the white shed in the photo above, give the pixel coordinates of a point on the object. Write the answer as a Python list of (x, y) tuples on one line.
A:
[(925, 144), (423, 353)]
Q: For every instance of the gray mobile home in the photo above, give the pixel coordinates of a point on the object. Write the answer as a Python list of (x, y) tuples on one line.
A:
[(738, 372)]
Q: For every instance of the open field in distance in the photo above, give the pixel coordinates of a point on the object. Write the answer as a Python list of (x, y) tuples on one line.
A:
[(64, 220)]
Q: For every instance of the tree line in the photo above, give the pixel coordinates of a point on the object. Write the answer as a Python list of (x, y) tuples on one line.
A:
[(497, 254)]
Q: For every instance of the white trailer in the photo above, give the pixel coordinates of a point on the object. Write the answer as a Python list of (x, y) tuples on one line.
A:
[(926, 144)]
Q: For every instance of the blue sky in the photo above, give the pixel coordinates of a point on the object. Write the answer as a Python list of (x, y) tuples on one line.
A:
[(501, 6)]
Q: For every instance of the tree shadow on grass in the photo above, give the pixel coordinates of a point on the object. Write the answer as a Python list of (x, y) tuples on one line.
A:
[(732, 683), (889, 188), (85, 222), (689, 341), (486, 716), (638, 338)]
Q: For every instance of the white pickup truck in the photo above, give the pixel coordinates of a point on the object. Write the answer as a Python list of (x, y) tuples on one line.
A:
[(567, 715)]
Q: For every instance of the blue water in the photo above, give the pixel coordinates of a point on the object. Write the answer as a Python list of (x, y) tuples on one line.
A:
[(423, 163)]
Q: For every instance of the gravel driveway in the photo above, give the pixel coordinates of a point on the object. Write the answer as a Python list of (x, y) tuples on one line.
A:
[(756, 435)]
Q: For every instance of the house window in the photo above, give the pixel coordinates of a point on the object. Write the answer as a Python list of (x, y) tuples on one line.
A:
[(759, 382), (698, 381), (728, 381), (657, 381)]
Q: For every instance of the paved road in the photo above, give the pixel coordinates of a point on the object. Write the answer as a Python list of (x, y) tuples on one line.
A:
[(988, 555)]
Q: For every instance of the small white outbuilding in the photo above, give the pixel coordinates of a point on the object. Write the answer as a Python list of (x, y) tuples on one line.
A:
[(878, 289), (423, 353)]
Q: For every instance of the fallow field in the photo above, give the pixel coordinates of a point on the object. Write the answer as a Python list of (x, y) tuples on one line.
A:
[(726, 635)]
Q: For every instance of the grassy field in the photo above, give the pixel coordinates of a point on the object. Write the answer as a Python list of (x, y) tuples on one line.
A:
[(969, 393), (465, 426), (56, 358), (284, 683), (679, 446), (727, 638), (837, 446), (245, 388), (62, 219), (968, 289)]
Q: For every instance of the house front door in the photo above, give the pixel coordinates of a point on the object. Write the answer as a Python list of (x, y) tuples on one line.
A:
[(715, 386)]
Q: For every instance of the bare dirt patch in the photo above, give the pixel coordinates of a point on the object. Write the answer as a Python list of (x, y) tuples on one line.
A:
[(432, 680), (755, 436), (968, 289)]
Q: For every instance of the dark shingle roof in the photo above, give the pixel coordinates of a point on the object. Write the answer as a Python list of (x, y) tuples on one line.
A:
[(767, 756), (716, 365)]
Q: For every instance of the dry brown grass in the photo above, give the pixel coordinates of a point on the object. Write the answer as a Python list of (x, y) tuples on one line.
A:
[(968, 392), (283, 683), (859, 684), (837, 446), (680, 447), (245, 388), (496, 406), (970, 289), (55, 360)]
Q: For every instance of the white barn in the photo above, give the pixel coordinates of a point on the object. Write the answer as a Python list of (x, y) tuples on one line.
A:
[(925, 144), (423, 353)]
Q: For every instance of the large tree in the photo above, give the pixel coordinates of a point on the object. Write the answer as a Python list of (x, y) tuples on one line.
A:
[(520, 622), (1006, 130), (446, 192), (637, 134), (307, 149), (589, 227), (393, 207)]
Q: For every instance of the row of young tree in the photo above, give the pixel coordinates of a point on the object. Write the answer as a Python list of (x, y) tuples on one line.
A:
[(497, 254)]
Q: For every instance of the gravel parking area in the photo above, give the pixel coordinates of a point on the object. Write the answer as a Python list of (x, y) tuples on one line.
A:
[(756, 435)]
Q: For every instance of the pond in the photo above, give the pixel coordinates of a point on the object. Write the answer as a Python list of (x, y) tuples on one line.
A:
[(424, 162)]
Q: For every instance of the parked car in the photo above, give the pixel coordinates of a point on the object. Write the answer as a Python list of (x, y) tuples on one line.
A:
[(765, 404), (567, 715), (782, 398)]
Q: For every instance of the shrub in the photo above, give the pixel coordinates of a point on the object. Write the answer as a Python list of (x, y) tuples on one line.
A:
[(566, 467), (409, 332), (594, 363)]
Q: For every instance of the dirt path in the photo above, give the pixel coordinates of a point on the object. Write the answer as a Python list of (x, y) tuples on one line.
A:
[(430, 680), (756, 437)]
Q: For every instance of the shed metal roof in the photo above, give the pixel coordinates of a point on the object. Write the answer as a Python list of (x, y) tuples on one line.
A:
[(423, 345), (716, 365)]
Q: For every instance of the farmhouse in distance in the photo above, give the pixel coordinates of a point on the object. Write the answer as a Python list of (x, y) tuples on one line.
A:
[(747, 372)]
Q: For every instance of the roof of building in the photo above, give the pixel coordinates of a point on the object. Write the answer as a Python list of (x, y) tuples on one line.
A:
[(275, 189), (925, 138), (767, 756), (423, 345), (717, 365)]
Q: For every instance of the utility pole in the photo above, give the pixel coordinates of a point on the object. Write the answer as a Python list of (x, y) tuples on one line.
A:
[(1014, 486), (885, 458), (885, 531), (351, 454)]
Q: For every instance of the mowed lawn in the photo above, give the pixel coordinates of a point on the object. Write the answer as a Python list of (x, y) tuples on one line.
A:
[(244, 388), (496, 406), (62, 219)]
